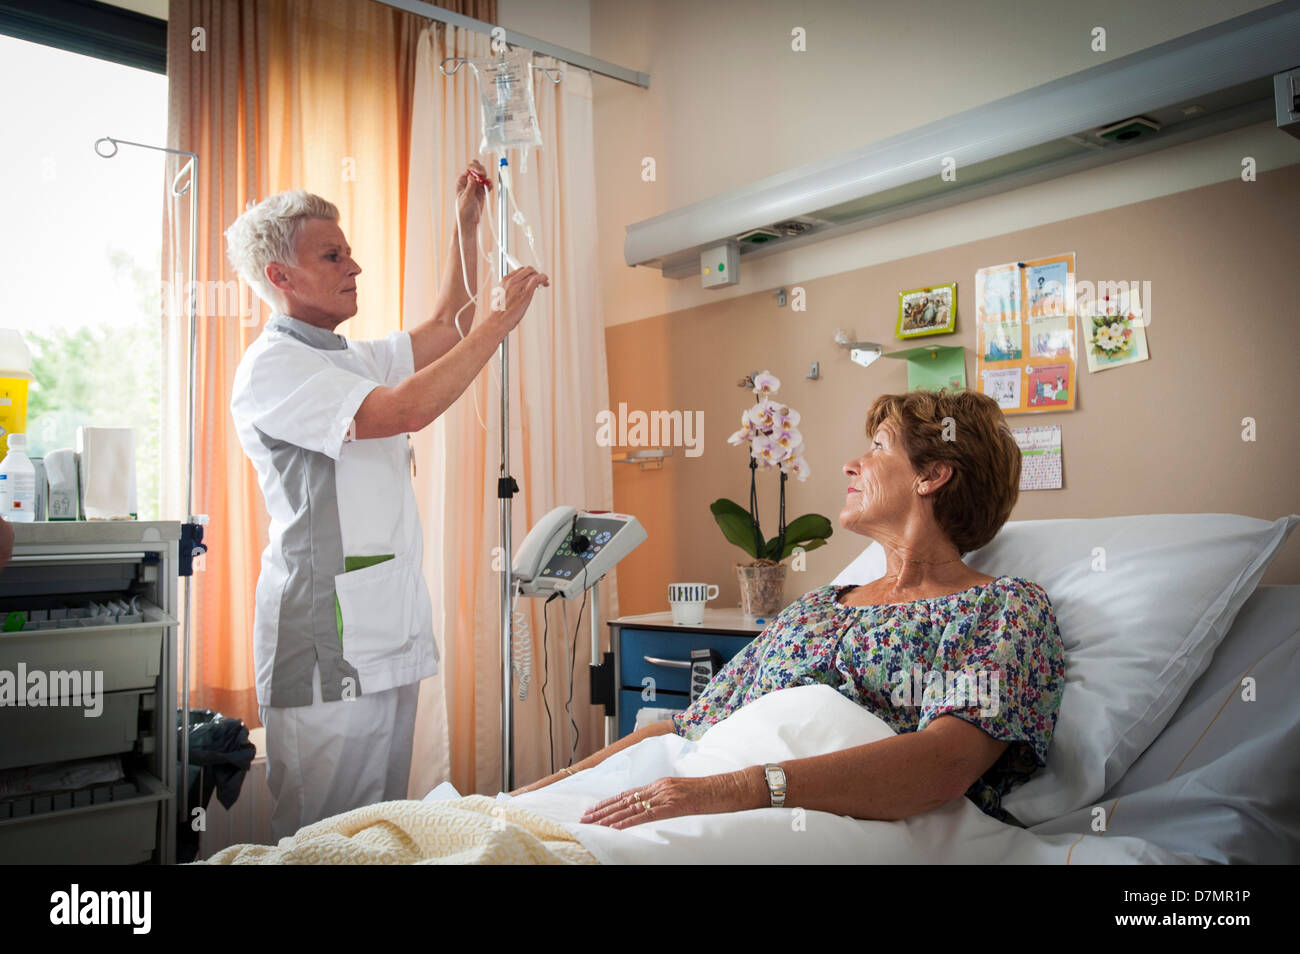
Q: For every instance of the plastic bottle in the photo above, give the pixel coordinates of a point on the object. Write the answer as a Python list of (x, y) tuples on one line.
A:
[(17, 482), (15, 377)]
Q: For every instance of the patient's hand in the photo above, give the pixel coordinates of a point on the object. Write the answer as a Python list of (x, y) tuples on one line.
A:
[(673, 796)]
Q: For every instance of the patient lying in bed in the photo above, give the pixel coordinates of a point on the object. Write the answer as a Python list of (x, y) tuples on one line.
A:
[(967, 669)]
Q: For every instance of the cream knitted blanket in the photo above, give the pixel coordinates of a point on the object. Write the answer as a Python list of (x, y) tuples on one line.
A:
[(474, 829)]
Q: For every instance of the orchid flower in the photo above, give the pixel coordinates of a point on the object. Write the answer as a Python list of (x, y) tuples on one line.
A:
[(771, 431)]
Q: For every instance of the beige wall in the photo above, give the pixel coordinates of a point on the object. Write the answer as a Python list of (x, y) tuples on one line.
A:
[(1162, 436), (729, 103)]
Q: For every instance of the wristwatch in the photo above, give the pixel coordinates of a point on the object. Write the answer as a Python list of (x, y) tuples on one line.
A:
[(775, 784)]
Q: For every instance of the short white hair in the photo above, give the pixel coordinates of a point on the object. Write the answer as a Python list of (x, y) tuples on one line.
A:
[(268, 232)]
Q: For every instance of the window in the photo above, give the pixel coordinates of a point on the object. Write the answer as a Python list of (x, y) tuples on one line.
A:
[(81, 245)]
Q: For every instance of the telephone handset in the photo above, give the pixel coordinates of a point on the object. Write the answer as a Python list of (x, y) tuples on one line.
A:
[(542, 541)]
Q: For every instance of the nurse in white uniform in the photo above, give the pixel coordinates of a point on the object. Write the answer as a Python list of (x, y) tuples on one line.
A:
[(343, 626)]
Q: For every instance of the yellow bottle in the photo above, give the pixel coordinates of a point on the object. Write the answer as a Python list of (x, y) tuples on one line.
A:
[(15, 377)]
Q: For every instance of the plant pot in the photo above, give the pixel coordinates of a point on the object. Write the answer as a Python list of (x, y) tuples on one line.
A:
[(762, 589)]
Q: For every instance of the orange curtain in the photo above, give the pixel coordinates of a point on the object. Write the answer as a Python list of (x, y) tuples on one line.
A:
[(271, 95)]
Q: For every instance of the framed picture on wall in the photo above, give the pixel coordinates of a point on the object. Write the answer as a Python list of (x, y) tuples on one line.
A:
[(927, 311)]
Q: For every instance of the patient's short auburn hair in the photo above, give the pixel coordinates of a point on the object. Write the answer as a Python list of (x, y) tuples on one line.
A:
[(974, 503)]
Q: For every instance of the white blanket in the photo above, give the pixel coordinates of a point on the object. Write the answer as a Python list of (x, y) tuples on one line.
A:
[(790, 724)]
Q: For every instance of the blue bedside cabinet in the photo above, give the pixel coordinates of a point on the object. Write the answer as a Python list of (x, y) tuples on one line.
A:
[(651, 651)]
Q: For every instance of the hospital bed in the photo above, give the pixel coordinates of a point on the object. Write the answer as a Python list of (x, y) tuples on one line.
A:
[(1203, 769), (1176, 741)]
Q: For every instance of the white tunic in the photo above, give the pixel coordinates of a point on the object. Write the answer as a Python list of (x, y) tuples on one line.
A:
[(341, 585)]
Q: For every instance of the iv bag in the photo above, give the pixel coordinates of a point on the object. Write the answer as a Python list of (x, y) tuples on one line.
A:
[(506, 97)]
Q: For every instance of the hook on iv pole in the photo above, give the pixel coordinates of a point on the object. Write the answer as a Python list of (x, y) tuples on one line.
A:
[(188, 167), (177, 192)]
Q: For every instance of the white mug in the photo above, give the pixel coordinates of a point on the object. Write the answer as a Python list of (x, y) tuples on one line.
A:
[(687, 601)]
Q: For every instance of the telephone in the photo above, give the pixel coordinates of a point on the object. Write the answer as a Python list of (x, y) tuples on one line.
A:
[(566, 552), (569, 550)]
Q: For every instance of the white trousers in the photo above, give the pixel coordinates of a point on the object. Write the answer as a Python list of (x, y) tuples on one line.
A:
[(330, 757)]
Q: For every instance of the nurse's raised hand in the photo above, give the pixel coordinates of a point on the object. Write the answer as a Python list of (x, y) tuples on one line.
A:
[(518, 286)]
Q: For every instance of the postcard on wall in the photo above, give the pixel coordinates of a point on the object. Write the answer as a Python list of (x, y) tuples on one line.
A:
[(1114, 332), (1049, 336), (935, 367), (997, 292), (1001, 341), (1049, 387), (927, 311), (1003, 386), (1040, 456), (1045, 286), (1025, 329)]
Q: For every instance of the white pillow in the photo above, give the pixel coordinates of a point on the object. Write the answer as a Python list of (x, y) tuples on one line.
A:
[(1142, 602), (869, 566)]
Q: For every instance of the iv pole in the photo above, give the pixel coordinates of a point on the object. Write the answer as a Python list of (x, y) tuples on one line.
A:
[(192, 530), (506, 488), (506, 485)]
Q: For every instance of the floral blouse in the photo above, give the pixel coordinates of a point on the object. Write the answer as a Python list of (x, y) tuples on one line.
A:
[(990, 655)]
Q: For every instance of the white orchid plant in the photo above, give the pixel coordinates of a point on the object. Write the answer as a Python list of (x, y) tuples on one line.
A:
[(771, 431)]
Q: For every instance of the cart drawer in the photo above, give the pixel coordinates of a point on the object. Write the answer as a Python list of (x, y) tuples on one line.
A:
[(33, 735), (128, 654), (119, 832)]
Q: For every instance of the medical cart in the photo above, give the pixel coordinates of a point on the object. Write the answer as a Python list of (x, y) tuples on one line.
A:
[(57, 570)]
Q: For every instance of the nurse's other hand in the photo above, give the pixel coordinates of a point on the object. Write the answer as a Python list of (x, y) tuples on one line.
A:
[(519, 286)]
